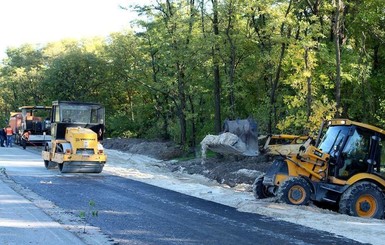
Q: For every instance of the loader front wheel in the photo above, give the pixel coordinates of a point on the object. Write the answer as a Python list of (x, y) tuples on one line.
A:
[(259, 190), (295, 191), (363, 199)]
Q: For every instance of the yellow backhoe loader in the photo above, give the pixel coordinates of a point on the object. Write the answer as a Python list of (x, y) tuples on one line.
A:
[(76, 131), (345, 167), (240, 137), (283, 144)]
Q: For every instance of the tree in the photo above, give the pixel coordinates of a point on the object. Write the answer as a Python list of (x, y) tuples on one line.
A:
[(338, 20), (75, 75), (21, 75)]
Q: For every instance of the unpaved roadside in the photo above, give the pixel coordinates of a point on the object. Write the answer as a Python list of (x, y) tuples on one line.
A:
[(229, 170), (232, 179), (154, 172)]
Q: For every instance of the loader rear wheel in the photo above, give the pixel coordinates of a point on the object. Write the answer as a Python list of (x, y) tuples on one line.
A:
[(295, 191), (259, 190), (364, 199)]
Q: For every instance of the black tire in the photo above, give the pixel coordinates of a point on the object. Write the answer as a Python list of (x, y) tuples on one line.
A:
[(259, 190), (50, 164), (59, 149), (295, 191), (61, 165), (363, 199)]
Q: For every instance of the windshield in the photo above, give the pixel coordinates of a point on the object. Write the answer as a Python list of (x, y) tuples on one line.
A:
[(82, 114), (333, 138), (355, 154)]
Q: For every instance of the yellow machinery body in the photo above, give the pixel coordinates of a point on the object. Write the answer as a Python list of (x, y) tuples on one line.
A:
[(283, 144), (346, 168), (75, 146)]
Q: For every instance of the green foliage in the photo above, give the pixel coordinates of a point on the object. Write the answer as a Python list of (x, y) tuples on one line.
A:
[(276, 63), (91, 212), (74, 76)]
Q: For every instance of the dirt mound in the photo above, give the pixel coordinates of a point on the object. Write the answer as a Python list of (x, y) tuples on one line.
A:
[(162, 150), (230, 170)]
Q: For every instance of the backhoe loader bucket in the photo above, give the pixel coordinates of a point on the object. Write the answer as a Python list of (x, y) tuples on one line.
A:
[(239, 137)]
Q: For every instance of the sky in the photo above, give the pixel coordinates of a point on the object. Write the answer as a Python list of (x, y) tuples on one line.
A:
[(43, 21)]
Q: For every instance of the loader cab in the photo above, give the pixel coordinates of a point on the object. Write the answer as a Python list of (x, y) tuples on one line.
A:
[(77, 114), (353, 148)]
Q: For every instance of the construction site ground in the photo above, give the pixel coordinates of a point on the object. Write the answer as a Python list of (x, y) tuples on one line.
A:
[(229, 170), (135, 159)]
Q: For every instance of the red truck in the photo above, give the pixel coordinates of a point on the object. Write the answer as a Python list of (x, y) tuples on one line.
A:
[(36, 120)]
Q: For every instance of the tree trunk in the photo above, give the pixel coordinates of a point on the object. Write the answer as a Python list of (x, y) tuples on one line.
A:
[(376, 59), (274, 85), (193, 123), (162, 99), (180, 101), (309, 98), (337, 27), (217, 81), (232, 57), (182, 105)]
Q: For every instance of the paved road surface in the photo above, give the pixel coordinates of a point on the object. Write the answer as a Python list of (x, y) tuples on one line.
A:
[(132, 212)]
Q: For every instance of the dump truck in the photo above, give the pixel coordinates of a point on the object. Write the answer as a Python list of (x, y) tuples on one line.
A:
[(36, 120), (77, 129), (345, 168)]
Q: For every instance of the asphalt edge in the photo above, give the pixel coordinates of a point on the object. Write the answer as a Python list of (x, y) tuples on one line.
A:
[(69, 221)]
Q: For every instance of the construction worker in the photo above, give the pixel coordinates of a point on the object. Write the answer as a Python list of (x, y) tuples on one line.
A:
[(9, 133), (3, 137), (25, 138)]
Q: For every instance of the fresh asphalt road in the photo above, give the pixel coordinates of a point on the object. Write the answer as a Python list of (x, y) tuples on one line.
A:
[(131, 212)]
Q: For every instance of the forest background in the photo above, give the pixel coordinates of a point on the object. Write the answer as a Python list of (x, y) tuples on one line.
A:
[(191, 64)]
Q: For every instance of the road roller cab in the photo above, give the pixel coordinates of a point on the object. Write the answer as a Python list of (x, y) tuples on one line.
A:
[(346, 167), (77, 131)]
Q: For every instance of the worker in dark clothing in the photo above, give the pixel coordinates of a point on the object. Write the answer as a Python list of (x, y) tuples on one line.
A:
[(25, 138), (3, 137)]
